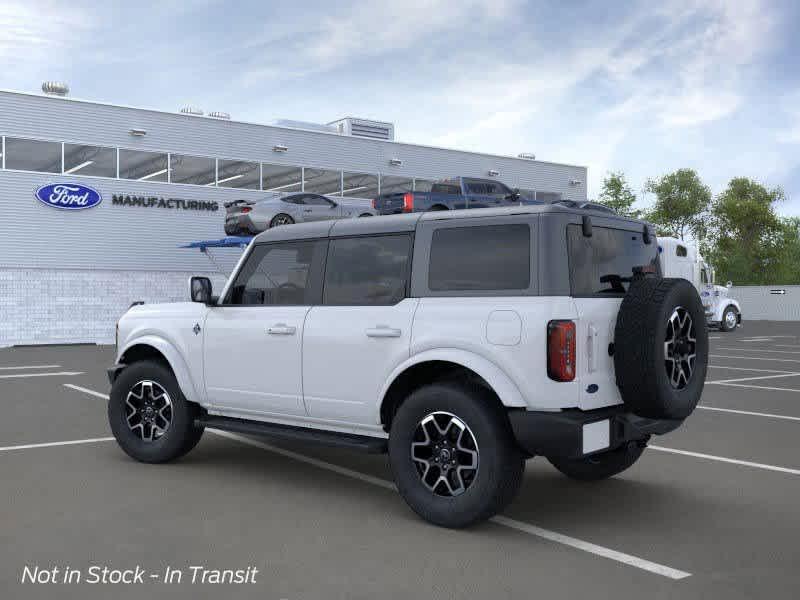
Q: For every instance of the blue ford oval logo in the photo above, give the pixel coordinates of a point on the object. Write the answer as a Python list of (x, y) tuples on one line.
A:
[(69, 196)]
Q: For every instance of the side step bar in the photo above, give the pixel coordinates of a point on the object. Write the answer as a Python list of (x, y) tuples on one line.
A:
[(371, 445)]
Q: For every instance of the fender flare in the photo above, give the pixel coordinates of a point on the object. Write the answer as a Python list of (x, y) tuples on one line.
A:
[(173, 357), (503, 386)]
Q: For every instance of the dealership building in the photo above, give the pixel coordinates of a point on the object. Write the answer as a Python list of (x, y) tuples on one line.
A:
[(158, 180)]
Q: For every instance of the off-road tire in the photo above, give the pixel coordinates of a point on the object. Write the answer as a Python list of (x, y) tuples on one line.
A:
[(500, 462), (178, 439), (640, 358), (723, 324), (599, 466)]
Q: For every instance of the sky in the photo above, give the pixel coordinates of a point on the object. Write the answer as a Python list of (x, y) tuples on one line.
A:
[(639, 87)]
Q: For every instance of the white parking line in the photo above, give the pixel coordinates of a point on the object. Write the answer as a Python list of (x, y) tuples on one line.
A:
[(755, 358), (86, 391), (747, 369), (760, 350), (19, 375), (749, 413), (30, 367), (722, 381), (51, 444), (733, 461), (553, 536), (760, 387)]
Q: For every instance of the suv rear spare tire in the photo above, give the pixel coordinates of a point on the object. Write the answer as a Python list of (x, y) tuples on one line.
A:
[(661, 348)]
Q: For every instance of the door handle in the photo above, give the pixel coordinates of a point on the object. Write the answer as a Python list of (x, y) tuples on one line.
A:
[(282, 329), (307, 210), (382, 331)]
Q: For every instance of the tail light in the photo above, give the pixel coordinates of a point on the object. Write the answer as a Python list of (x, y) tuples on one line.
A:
[(561, 350), (374, 204), (408, 202), (246, 209)]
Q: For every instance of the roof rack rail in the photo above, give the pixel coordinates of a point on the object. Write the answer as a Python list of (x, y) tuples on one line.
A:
[(586, 206)]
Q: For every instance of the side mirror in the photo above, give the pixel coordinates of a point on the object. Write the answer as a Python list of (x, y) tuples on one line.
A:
[(200, 289), (729, 285)]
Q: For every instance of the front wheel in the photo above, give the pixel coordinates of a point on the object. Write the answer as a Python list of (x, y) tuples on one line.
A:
[(148, 415), (453, 456), (600, 466), (729, 319)]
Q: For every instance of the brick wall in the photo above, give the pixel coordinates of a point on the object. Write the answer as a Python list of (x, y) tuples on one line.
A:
[(42, 306)]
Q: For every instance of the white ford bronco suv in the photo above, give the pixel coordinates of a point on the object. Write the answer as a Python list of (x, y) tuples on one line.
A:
[(460, 342)]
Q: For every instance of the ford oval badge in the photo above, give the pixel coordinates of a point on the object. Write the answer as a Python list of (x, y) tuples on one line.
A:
[(68, 196)]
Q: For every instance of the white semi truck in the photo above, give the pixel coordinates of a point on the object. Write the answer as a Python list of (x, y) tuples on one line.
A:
[(682, 259)]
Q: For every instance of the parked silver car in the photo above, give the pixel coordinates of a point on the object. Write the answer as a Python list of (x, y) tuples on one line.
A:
[(249, 217)]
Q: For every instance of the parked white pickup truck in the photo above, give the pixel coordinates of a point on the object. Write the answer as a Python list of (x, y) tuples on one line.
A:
[(460, 342), (682, 259)]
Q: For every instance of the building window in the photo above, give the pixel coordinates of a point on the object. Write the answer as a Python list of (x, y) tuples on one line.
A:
[(360, 185), (195, 170), (33, 155), (90, 160), (323, 181), (396, 185), (423, 185), (144, 166), (280, 178), (238, 174)]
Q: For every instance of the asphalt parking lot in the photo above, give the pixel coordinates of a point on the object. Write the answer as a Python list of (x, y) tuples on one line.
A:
[(712, 510)]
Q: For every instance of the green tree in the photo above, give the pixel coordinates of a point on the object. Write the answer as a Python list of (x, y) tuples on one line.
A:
[(749, 243), (618, 195), (682, 201)]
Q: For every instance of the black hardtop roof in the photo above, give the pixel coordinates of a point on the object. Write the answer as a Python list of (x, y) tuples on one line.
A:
[(408, 222)]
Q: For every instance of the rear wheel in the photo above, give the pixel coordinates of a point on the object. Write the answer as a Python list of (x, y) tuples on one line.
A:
[(730, 319), (452, 454), (149, 416), (600, 466), (281, 219)]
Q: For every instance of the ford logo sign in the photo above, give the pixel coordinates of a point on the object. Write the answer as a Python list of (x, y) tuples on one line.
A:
[(69, 196)]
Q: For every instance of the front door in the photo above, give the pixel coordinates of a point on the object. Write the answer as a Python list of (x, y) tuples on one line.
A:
[(253, 339), (362, 330), (318, 208)]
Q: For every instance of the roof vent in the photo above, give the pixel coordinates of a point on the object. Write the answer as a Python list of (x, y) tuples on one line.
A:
[(216, 114), (527, 155), (55, 88), (192, 110), (376, 130)]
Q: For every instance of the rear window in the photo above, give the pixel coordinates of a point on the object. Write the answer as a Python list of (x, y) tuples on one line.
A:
[(604, 263), (445, 188), (487, 257)]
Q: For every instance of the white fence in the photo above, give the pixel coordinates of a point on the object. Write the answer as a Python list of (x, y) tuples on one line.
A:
[(768, 302)]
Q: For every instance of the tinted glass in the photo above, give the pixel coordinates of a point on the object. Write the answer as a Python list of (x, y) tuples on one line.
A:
[(446, 188), (144, 166), (280, 178), (277, 274), (367, 270), (605, 262), (196, 170), (33, 155), (487, 257), (316, 200), (238, 174), (90, 160)]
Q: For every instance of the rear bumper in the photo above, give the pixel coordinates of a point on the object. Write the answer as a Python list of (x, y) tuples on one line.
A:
[(577, 433)]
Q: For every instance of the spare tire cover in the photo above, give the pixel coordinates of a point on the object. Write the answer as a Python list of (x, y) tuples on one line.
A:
[(661, 348)]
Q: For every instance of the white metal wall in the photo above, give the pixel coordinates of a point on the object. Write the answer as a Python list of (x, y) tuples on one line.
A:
[(768, 302)]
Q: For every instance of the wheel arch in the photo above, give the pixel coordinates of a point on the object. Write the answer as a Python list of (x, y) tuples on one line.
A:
[(723, 306), (437, 365), (155, 348)]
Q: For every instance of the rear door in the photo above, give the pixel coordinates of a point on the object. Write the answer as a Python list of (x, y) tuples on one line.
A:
[(601, 267), (362, 330)]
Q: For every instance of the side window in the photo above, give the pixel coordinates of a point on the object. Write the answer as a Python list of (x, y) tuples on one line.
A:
[(317, 200), (477, 188), (370, 270), (703, 276), (281, 274), (485, 257), (680, 251), (295, 199)]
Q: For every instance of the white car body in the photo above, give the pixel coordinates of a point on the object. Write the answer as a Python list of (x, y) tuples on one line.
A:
[(682, 259)]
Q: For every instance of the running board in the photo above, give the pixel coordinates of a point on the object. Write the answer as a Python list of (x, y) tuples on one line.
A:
[(371, 445)]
